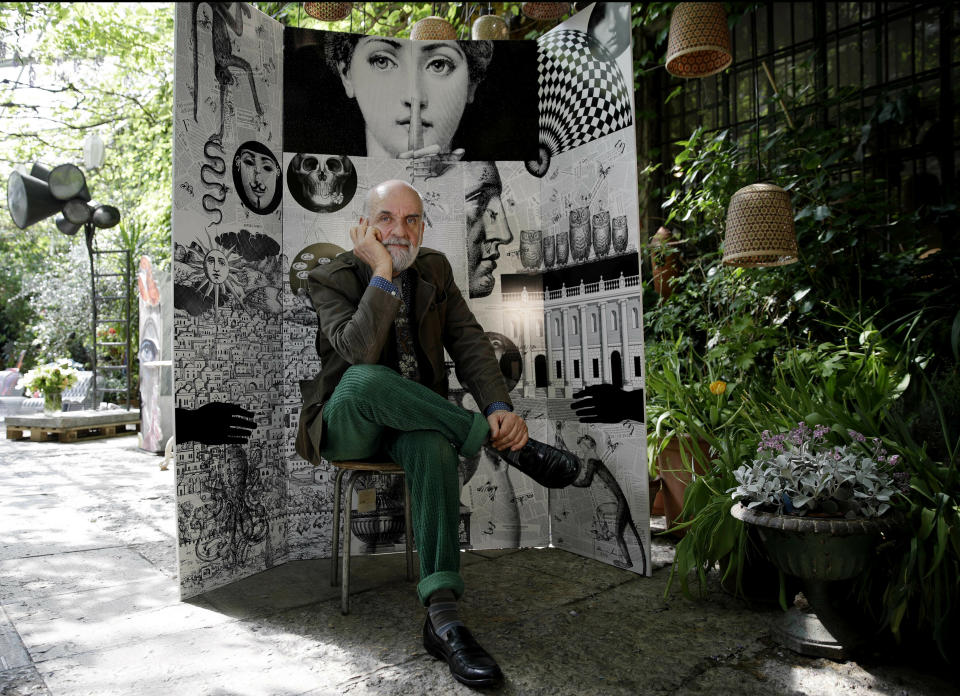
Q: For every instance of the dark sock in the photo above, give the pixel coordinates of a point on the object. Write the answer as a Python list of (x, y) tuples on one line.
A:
[(442, 610)]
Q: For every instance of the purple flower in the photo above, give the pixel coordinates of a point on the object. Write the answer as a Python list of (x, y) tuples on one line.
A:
[(856, 437)]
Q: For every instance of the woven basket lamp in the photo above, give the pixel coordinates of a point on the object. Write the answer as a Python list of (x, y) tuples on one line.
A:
[(489, 27), (433, 29), (760, 228), (545, 10), (699, 43), (328, 11)]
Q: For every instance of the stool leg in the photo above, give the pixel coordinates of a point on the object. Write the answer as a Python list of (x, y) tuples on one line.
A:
[(335, 550), (347, 534), (408, 523)]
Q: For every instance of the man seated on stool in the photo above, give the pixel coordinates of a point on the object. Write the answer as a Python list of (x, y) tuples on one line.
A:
[(387, 310)]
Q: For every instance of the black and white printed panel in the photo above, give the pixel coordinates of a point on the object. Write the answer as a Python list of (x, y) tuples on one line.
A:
[(545, 250), (227, 279)]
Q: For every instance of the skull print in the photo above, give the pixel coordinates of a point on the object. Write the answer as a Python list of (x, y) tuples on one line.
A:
[(322, 183)]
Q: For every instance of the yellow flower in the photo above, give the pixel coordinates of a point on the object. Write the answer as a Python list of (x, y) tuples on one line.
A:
[(718, 387)]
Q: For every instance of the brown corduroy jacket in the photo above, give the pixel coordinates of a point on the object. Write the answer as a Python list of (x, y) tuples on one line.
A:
[(356, 328)]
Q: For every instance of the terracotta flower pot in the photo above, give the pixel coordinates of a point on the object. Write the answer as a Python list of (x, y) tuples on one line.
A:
[(664, 263), (675, 477)]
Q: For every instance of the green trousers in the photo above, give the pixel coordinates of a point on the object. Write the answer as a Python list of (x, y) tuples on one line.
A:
[(375, 410)]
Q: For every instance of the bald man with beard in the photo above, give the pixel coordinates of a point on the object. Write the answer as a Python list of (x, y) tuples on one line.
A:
[(387, 311)]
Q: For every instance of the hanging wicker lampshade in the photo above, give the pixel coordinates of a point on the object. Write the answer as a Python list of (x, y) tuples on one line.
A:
[(433, 29), (328, 11), (699, 43), (545, 10), (760, 228), (490, 27)]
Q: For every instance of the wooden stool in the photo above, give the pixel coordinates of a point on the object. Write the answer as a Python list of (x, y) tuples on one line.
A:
[(357, 469)]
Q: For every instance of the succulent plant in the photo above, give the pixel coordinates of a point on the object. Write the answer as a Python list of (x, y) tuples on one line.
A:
[(800, 472)]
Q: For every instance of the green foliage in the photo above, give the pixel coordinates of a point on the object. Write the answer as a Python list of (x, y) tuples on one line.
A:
[(59, 294), (859, 253), (104, 68), (396, 18), (52, 377)]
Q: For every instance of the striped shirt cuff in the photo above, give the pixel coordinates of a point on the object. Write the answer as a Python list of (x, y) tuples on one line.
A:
[(497, 406), (385, 285)]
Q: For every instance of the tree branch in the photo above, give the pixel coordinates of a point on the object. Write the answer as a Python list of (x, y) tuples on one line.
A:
[(131, 98), (69, 87)]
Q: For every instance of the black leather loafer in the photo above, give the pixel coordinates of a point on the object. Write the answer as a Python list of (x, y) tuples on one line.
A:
[(548, 466), (469, 663)]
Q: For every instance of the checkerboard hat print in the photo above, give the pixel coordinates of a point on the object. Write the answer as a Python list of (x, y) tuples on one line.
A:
[(582, 94)]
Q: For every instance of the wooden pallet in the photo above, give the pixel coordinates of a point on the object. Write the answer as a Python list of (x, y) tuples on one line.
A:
[(39, 434)]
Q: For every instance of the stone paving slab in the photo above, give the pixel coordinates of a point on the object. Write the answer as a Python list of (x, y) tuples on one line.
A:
[(22, 681), (13, 653), (76, 571), (105, 620), (230, 658), (95, 620)]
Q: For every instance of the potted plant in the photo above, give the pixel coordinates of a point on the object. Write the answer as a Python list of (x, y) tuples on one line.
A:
[(50, 380), (820, 509), (689, 408)]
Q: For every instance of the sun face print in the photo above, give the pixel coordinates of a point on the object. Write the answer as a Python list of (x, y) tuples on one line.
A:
[(214, 273)]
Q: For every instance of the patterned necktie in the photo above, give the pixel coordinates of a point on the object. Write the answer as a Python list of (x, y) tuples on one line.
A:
[(407, 356)]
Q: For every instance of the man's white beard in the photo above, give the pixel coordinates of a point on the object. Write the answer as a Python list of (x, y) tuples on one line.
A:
[(403, 256)]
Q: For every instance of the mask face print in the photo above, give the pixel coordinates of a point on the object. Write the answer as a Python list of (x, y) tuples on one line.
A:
[(412, 93), (215, 266), (610, 26), (257, 177), (487, 226), (259, 174)]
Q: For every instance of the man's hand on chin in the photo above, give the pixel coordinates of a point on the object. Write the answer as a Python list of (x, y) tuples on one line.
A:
[(368, 247)]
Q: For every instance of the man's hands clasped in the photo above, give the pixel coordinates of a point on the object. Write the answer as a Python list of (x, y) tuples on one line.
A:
[(507, 430)]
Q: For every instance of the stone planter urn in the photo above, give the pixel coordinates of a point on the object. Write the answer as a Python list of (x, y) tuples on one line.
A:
[(818, 550)]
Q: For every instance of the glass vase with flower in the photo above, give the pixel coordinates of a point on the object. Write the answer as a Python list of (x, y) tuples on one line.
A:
[(50, 381)]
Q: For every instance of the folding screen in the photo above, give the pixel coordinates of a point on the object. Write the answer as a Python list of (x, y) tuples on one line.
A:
[(524, 154)]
